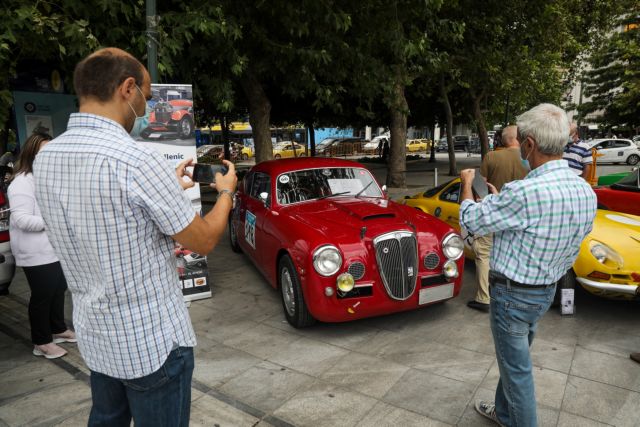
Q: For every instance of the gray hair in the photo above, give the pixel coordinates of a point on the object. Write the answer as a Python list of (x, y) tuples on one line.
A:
[(548, 125)]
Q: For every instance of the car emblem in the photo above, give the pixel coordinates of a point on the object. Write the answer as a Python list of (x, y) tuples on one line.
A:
[(385, 250), (410, 271)]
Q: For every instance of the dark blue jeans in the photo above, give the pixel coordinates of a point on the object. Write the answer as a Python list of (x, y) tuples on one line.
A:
[(162, 398), (515, 313)]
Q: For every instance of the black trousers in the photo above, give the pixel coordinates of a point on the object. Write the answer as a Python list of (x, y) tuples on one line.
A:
[(46, 306)]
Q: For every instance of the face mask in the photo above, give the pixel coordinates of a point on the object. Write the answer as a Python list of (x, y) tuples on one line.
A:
[(141, 122), (525, 161)]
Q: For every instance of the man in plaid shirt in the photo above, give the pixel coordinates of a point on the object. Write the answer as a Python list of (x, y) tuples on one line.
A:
[(113, 210), (538, 224)]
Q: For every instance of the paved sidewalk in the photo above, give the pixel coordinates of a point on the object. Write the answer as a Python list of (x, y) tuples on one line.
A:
[(420, 368)]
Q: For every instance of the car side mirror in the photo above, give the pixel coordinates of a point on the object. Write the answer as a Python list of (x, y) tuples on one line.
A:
[(384, 189)]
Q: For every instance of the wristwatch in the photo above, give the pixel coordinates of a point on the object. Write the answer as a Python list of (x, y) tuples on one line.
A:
[(225, 191)]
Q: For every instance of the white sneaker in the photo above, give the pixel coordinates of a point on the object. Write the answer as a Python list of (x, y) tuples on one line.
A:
[(66, 336), (49, 351), (487, 410)]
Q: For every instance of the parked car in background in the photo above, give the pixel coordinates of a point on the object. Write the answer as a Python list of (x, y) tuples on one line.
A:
[(340, 147), (414, 145), (616, 151), (608, 264), (325, 235), (621, 196), (7, 261), (371, 147), (460, 143), (286, 149)]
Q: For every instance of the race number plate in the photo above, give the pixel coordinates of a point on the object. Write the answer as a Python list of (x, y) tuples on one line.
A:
[(435, 293)]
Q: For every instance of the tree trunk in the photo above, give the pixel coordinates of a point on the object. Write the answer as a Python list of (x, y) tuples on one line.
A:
[(312, 140), (482, 127), (224, 127), (453, 171), (259, 115), (432, 155), (396, 170)]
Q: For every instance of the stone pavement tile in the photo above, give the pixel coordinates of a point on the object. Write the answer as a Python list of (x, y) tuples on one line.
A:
[(441, 359), (217, 363), (562, 330), (384, 415), (601, 402), (371, 342), (209, 411), (323, 404), (308, 356), (369, 375), (619, 371), (473, 337), (47, 406), (552, 355), (223, 326), (31, 377), (76, 419), (570, 420), (347, 335), (266, 386), (607, 340), (261, 341), (15, 355), (431, 395), (7, 341)]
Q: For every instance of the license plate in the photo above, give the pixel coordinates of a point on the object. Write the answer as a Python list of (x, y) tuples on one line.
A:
[(155, 135), (435, 293)]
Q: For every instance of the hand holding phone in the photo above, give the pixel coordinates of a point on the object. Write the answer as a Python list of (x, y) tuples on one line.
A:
[(206, 173)]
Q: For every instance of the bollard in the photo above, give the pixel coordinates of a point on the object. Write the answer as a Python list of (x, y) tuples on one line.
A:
[(435, 177)]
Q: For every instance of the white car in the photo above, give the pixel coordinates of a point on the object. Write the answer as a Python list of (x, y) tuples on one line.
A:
[(616, 151)]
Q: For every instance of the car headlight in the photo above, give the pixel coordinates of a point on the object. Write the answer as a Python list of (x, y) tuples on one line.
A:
[(345, 282), (453, 246), (450, 269), (327, 260), (605, 255)]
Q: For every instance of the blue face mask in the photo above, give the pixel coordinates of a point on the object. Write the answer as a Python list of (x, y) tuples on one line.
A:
[(141, 122)]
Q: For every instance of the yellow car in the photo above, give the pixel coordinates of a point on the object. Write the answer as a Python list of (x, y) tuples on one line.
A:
[(285, 149), (608, 264), (246, 153), (414, 145)]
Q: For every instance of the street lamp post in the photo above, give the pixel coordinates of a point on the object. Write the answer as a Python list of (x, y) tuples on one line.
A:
[(152, 40)]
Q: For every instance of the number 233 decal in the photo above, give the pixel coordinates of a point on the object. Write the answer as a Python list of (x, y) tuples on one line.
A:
[(250, 229)]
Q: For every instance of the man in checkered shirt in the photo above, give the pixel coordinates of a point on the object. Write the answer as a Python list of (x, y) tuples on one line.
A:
[(113, 210), (538, 224)]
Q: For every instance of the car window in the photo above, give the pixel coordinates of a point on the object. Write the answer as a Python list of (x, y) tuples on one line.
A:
[(632, 180), (604, 144), (309, 184), (451, 194), (432, 192), (261, 183), (620, 144)]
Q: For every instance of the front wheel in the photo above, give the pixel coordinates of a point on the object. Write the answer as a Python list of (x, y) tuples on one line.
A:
[(245, 156), (295, 309), (277, 156), (233, 238), (185, 127), (633, 159)]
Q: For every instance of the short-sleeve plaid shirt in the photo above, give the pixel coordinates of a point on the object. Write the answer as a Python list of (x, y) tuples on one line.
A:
[(539, 223), (110, 206)]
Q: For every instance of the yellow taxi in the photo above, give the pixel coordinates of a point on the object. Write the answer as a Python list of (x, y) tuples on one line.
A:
[(414, 145), (608, 264), (246, 153), (286, 149)]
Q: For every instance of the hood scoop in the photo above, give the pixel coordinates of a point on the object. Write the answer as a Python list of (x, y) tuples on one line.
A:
[(378, 216)]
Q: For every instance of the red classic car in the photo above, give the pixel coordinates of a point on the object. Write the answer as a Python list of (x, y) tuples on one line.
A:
[(623, 196), (323, 232), (170, 119)]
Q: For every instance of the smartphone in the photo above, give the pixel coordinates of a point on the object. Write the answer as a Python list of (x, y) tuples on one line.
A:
[(206, 174), (479, 185)]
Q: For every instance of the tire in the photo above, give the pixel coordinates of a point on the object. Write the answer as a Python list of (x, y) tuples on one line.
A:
[(233, 238), (633, 159), (245, 156), (293, 305), (302, 155), (277, 156), (185, 127)]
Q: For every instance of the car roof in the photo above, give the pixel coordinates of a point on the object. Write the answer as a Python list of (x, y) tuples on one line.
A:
[(277, 167), (595, 141)]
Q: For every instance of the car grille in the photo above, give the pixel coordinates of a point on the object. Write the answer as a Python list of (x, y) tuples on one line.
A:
[(397, 257), (356, 270), (431, 261)]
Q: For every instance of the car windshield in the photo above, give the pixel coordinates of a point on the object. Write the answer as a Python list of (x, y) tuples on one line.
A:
[(310, 184), (630, 180)]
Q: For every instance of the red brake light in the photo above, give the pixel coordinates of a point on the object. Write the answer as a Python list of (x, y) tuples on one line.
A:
[(599, 275)]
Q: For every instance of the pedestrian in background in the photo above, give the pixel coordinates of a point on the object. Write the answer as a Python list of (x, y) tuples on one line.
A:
[(385, 150), (33, 252), (578, 154), (538, 224), (114, 208), (498, 167)]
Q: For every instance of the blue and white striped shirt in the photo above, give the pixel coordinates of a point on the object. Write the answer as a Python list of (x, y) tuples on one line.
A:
[(578, 154), (539, 223), (110, 206)]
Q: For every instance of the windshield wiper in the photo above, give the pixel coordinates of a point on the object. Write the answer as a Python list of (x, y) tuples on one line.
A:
[(342, 193), (364, 189)]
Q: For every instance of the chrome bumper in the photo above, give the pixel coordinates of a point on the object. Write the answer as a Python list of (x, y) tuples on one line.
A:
[(623, 289)]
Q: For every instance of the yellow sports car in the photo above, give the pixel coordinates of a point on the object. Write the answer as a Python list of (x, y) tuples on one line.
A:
[(414, 145), (285, 149), (608, 264)]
